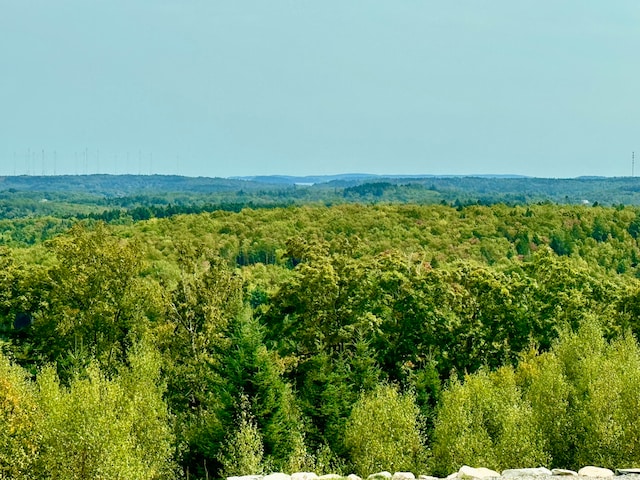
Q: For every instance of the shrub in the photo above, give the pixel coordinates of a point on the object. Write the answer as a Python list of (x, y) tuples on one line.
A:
[(19, 422), (243, 451), (546, 388), (384, 432), (484, 421), (572, 406), (105, 428), (604, 401)]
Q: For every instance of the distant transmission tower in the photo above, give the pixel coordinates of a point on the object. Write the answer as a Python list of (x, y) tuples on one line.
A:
[(633, 164)]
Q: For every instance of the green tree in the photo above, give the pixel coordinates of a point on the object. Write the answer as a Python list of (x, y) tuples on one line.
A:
[(320, 321), (485, 421), (105, 428), (243, 450), (254, 384), (384, 432), (548, 391), (20, 420), (97, 303), (324, 302), (571, 406), (603, 401), (193, 340)]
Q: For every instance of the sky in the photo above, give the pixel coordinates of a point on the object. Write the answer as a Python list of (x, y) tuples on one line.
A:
[(223, 88)]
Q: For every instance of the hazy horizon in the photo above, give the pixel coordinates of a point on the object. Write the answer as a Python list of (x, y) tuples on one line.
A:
[(249, 88), (324, 175)]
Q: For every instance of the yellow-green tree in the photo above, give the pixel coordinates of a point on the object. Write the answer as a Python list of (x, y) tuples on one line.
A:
[(20, 423), (384, 432), (485, 421), (100, 427), (97, 302)]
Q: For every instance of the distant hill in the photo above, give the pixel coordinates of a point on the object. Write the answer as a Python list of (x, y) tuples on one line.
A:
[(112, 196), (350, 177), (117, 185)]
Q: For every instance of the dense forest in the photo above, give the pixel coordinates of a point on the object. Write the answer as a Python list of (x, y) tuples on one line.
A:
[(329, 336)]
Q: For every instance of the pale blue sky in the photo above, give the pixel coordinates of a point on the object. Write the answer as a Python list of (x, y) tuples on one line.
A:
[(245, 87)]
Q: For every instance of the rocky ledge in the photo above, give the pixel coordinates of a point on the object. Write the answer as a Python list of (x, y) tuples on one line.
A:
[(465, 473)]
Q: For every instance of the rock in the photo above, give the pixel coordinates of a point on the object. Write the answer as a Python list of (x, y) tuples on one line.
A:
[(353, 476), (563, 472), (470, 472), (277, 476), (330, 476), (304, 476), (428, 477), (526, 472), (627, 471), (379, 475), (595, 472), (246, 477), (452, 476), (403, 476)]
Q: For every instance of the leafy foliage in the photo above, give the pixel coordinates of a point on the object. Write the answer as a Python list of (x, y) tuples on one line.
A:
[(243, 451), (384, 432), (20, 422), (95, 428), (572, 406), (484, 421), (291, 338)]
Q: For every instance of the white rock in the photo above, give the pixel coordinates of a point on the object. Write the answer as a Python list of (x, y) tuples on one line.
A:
[(470, 472), (564, 472), (429, 477), (595, 472), (627, 471), (384, 474), (304, 476), (526, 472), (277, 476), (246, 477), (403, 476), (353, 476), (452, 476)]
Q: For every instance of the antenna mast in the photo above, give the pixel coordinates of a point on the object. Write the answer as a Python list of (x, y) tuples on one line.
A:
[(633, 163)]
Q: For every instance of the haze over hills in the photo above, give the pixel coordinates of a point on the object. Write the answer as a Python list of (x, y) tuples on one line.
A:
[(313, 179), (131, 181), (98, 183), (126, 184), (144, 196)]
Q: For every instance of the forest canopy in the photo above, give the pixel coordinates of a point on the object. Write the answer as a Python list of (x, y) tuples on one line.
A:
[(295, 337)]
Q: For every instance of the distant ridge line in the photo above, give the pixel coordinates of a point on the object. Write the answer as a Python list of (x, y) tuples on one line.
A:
[(329, 189), (293, 179)]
